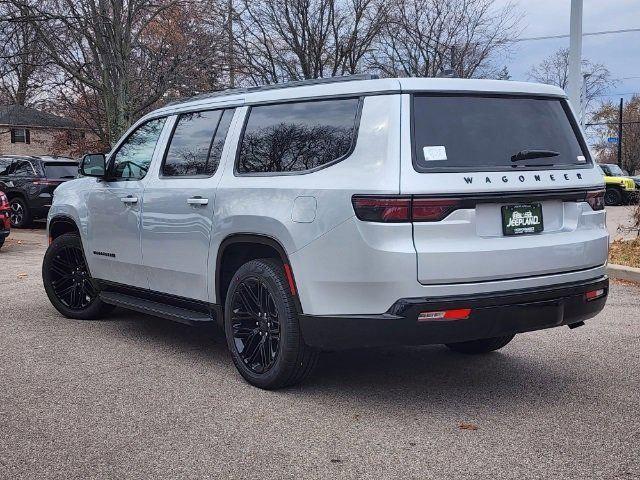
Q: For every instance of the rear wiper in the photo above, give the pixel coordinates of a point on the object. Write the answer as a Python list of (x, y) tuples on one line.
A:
[(529, 154)]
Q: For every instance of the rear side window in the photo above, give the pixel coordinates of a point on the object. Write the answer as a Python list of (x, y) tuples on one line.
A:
[(60, 170), (294, 137), (454, 133)]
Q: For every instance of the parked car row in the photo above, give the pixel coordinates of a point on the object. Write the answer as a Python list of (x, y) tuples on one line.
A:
[(29, 182)]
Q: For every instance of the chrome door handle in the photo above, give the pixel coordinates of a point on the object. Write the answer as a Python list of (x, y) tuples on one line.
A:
[(197, 201), (129, 199)]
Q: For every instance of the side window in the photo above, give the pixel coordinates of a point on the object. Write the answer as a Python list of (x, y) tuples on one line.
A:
[(5, 163), (22, 168), (293, 137), (132, 159), (189, 146)]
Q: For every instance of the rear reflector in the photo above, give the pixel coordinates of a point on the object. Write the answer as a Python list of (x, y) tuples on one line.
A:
[(593, 294), (394, 209), (457, 314)]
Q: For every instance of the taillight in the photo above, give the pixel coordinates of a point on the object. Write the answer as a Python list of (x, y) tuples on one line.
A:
[(383, 209), (394, 209), (595, 199), (594, 294), (4, 202), (433, 210), (456, 314)]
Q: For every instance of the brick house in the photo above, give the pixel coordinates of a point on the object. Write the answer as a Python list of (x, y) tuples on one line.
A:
[(27, 131)]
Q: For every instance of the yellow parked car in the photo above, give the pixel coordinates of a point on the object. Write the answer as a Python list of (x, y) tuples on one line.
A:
[(621, 188)]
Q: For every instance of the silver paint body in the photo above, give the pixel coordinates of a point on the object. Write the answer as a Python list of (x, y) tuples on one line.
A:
[(341, 265)]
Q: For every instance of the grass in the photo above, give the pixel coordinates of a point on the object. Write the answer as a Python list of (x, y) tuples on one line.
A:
[(625, 252)]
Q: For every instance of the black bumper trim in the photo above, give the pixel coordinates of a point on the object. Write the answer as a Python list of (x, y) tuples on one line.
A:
[(493, 314)]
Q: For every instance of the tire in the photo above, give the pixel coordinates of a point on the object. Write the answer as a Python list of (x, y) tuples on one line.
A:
[(67, 281), (484, 345), (262, 329), (613, 197), (20, 213), (1, 242)]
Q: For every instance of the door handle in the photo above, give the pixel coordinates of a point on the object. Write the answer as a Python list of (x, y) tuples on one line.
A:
[(197, 201), (130, 199)]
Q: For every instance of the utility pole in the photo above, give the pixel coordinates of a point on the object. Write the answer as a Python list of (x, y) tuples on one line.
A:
[(575, 54), (620, 135)]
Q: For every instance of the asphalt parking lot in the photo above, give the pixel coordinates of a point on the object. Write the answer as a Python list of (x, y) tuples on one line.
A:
[(140, 397)]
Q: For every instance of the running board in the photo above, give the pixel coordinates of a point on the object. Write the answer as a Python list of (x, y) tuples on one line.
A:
[(177, 314)]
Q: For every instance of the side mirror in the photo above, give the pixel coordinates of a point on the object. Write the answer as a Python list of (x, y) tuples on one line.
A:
[(93, 165)]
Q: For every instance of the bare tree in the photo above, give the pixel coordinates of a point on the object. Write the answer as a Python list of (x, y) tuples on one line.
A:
[(607, 115), (128, 54), (424, 37), (22, 62), (299, 39), (553, 70)]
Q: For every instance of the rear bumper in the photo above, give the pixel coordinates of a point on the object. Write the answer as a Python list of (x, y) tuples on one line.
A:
[(492, 315)]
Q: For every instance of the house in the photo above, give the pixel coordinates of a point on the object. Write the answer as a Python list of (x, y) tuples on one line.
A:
[(27, 131)]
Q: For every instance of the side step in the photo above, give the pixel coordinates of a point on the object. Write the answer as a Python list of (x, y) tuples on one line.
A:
[(177, 314)]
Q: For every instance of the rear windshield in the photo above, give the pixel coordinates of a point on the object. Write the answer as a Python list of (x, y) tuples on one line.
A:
[(60, 170), (454, 133)]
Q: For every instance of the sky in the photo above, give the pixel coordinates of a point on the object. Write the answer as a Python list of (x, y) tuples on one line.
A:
[(619, 52)]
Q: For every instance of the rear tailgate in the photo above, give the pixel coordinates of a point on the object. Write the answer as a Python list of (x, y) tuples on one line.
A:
[(508, 219)]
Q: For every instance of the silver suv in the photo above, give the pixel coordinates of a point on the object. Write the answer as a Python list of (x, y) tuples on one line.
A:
[(340, 213)]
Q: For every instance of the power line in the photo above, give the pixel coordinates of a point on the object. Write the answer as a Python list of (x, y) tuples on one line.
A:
[(549, 37)]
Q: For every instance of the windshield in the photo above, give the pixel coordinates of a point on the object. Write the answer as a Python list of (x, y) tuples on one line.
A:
[(460, 132), (60, 170), (616, 171)]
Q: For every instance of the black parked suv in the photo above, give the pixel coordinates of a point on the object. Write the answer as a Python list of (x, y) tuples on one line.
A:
[(29, 183)]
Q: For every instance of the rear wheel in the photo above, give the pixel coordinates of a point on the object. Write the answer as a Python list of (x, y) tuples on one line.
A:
[(20, 213), (262, 329), (484, 345), (67, 282), (612, 196)]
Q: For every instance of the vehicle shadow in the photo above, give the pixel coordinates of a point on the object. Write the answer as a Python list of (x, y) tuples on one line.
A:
[(394, 377)]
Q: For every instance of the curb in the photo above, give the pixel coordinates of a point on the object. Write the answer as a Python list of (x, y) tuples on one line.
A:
[(621, 272)]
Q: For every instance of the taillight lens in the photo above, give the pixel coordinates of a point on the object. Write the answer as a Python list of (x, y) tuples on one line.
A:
[(433, 210), (596, 199), (383, 209), (396, 209), (4, 202)]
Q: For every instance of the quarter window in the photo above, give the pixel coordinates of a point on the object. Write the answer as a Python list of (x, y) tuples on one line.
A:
[(188, 151), (294, 137), (131, 161)]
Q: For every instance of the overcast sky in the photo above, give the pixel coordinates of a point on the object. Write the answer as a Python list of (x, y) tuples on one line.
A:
[(619, 52)]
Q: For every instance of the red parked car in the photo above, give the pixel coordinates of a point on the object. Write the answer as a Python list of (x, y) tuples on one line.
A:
[(5, 217)]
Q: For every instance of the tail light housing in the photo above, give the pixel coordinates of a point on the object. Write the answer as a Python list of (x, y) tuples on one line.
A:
[(4, 202), (396, 209), (595, 199)]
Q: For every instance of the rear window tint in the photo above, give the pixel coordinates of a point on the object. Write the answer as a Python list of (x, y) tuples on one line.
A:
[(484, 132), (294, 137), (60, 170)]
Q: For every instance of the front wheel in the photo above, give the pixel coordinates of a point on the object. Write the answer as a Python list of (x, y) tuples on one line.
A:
[(262, 328), (484, 345), (613, 197), (67, 282)]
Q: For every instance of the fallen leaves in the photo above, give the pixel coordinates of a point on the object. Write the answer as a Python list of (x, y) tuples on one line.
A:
[(467, 426), (23, 275)]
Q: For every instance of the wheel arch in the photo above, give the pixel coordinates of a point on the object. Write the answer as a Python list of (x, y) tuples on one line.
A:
[(237, 249), (61, 224)]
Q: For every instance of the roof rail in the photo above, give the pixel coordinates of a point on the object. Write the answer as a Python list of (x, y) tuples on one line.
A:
[(276, 86)]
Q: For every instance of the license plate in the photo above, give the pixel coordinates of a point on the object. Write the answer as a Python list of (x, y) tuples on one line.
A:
[(522, 219)]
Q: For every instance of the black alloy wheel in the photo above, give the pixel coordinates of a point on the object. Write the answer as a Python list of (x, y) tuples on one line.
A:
[(262, 327), (70, 279), (255, 325), (67, 280), (612, 197)]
